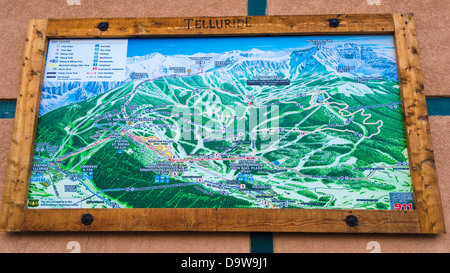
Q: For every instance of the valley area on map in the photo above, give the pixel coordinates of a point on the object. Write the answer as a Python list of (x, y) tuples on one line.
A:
[(223, 122)]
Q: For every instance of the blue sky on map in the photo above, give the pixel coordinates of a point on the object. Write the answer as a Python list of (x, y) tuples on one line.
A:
[(190, 46)]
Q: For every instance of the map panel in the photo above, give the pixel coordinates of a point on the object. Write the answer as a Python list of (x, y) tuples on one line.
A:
[(224, 122)]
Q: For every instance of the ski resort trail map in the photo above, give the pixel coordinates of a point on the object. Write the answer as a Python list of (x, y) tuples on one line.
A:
[(229, 122)]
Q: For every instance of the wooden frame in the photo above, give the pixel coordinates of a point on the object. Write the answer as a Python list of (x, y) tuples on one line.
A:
[(426, 218)]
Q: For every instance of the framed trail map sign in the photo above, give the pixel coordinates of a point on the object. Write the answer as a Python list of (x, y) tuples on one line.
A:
[(274, 123)]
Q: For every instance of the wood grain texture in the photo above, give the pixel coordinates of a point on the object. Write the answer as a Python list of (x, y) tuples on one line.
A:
[(233, 25), (313, 220), (170, 219), (236, 220), (24, 131), (418, 135)]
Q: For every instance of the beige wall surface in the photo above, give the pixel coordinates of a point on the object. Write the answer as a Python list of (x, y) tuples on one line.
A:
[(433, 38)]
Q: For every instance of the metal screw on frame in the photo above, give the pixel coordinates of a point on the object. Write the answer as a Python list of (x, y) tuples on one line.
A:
[(103, 26), (333, 22), (87, 219), (351, 220)]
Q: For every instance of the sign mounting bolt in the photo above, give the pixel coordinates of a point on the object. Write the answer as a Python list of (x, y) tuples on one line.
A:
[(103, 26), (333, 22), (351, 220), (87, 219)]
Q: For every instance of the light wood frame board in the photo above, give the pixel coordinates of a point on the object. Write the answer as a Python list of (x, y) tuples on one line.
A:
[(427, 217)]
